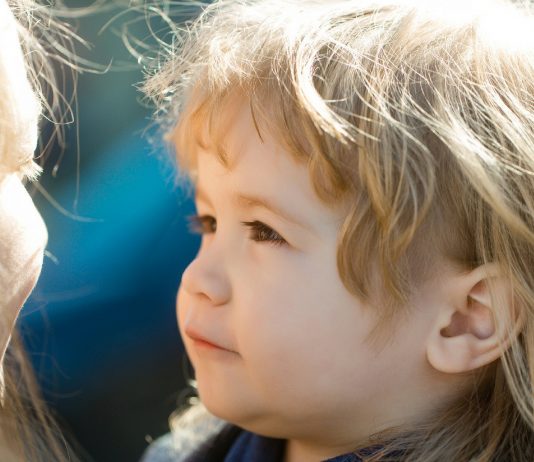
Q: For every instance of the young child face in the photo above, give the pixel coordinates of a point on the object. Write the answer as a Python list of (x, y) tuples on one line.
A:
[(278, 344)]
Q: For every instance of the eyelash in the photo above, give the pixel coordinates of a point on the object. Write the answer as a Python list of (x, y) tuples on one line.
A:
[(259, 232)]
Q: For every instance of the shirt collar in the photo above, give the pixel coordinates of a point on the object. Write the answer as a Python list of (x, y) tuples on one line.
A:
[(249, 447)]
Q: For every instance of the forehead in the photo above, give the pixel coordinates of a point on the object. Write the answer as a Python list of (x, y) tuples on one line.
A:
[(214, 121), (255, 168), (241, 148)]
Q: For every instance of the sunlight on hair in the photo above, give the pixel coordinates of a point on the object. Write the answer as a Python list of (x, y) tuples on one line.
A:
[(507, 30), (500, 24), (498, 19), (419, 114)]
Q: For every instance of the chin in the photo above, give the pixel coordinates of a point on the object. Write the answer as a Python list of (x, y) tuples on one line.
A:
[(226, 409), (243, 416)]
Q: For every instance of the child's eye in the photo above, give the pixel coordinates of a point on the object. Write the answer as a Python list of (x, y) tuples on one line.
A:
[(260, 232), (201, 224)]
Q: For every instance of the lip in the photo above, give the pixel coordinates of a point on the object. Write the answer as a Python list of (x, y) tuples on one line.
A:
[(203, 342)]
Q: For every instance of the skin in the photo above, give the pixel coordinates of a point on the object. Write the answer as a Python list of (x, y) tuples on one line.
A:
[(278, 344), (23, 238), (23, 235)]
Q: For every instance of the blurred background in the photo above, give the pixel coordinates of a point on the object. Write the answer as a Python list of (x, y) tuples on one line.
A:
[(100, 327)]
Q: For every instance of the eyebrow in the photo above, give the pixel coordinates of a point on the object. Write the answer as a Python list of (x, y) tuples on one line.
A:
[(253, 201)]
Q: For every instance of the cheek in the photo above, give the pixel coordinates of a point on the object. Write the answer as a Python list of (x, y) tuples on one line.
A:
[(301, 330)]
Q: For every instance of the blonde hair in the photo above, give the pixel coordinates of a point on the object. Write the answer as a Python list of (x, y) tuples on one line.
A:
[(27, 430), (28, 92), (420, 115)]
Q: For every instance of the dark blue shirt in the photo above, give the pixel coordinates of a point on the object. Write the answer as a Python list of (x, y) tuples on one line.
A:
[(236, 445)]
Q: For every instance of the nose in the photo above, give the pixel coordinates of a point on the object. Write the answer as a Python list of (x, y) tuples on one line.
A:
[(206, 276)]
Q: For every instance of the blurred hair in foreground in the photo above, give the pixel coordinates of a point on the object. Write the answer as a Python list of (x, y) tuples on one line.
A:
[(32, 43)]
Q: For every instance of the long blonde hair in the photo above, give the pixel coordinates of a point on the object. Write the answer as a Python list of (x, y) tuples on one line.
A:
[(420, 115)]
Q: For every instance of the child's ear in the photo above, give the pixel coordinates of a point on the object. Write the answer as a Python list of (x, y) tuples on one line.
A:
[(473, 328)]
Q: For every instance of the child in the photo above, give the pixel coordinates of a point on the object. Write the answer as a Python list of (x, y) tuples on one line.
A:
[(364, 179)]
